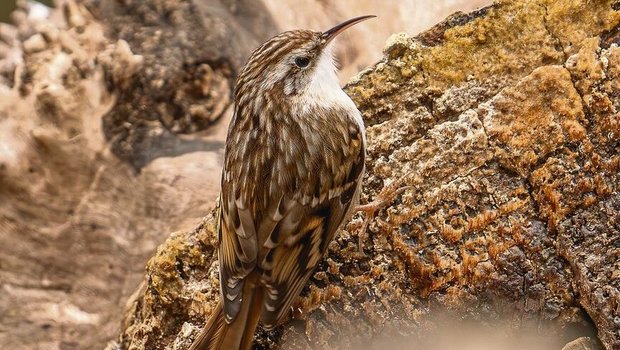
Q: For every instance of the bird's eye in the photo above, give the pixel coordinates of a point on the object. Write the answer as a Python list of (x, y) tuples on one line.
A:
[(302, 61)]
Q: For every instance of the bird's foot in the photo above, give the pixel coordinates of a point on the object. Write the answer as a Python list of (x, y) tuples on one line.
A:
[(384, 198)]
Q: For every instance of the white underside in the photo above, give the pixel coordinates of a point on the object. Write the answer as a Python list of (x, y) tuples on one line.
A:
[(324, 91)]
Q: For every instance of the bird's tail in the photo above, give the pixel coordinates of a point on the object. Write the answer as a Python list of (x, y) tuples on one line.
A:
[(219, 335)]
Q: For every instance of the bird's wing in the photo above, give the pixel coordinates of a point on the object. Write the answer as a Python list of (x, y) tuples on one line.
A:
[(238, 250), (301, 230)]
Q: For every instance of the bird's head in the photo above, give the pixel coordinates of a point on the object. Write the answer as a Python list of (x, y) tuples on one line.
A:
[(292, 63)]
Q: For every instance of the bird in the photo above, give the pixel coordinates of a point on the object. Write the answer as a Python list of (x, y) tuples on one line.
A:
[(292, 174)]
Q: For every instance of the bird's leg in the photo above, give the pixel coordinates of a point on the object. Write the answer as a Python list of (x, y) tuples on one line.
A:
[(385, 197)]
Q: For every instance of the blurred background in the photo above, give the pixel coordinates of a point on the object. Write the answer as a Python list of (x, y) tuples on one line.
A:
[(100, 159), (7, 6)]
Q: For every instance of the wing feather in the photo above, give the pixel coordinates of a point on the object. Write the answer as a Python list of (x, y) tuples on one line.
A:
[(301, 240), (278, 224), (238, 253)]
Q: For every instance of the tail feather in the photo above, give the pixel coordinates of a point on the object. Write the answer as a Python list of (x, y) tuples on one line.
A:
[(219, 335)]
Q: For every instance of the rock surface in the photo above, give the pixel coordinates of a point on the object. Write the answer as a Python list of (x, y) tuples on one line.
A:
[(583, 343), (77, 224), (590, 242), (503, 124)]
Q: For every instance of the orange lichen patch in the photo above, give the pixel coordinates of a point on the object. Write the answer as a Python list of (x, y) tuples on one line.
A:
[(496, 248), (377, 271), (549, 189), (573, 22), (514, 205), (334, 268), (408, 256), (601, 187), (354, 281), (482, 220), (439, 262), (611, 125), (586, 64), (517, 232), (488, 47), (575, 131), (612, 165), (537, 108), (589, 200), (469, 261), (449, 233), (164, 271), (315, 298)]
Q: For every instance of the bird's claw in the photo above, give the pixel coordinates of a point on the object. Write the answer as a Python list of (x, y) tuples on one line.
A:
[(384, 198)]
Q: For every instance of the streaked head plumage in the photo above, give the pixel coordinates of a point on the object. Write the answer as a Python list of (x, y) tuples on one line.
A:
[(290, 61)]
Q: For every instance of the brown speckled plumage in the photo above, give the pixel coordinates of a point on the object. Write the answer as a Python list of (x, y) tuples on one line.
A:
[(293, 163)]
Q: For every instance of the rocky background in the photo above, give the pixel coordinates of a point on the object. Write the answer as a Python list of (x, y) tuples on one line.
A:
[(501, 123)]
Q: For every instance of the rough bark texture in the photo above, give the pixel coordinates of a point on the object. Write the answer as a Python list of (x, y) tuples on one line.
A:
[(504, 125)]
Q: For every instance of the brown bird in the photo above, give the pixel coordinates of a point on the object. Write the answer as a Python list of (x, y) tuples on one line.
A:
[(293, 165)]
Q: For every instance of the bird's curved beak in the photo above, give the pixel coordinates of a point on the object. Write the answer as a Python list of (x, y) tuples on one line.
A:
[(330, 34)]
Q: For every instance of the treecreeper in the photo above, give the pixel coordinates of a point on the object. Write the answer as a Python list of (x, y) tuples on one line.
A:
[(293, 165)]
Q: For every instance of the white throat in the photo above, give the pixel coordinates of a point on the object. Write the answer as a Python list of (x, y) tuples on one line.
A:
[(324, 90), (324, 78)]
